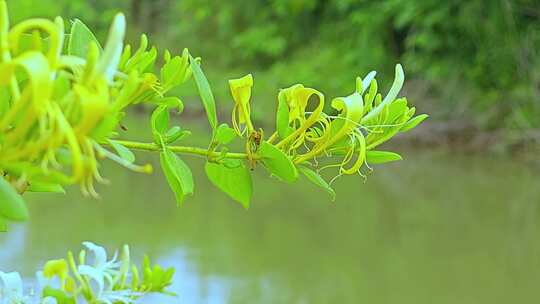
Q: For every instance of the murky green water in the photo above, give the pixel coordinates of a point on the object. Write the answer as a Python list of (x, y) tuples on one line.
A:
[(436, 228)]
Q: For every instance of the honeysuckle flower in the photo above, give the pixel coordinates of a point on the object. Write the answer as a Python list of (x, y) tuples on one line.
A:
[(107, 274), (102, 271), (64, 103), (241, 93), (292, 120)]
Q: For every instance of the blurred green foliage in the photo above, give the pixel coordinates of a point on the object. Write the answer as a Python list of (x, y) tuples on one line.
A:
[(476, 60)]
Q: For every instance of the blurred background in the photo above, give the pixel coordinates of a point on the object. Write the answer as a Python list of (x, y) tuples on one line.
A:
[(473, 65), (455, 222)]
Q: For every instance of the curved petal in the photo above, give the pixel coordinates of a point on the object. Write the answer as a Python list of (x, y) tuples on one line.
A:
[(100, 254)]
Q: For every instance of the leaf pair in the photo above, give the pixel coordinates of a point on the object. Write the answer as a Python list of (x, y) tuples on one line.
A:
[(177, 173)]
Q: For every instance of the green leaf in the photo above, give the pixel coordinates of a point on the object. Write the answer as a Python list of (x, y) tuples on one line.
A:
[(177, 173), (413, 122), (225, 134), (282, 118), (207, 97), (123, 152), (12, 205), (233, 178), (175, 133), (46, 187), (106, 126), (315, 178), (381, 157), (278, 163), (160, 121), (80, 39), (171, 102)]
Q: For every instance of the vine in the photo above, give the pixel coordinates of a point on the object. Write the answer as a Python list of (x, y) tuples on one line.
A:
[(63, 97)]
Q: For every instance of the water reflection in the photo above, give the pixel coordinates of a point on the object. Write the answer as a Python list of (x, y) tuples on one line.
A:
[(433, 229)]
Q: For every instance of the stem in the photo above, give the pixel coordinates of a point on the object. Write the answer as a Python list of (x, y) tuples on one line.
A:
[(181, 149), (272, 137)]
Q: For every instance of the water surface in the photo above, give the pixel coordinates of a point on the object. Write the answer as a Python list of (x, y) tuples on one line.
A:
[(436, 228)]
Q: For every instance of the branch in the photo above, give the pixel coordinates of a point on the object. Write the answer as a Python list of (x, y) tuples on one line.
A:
[(182, 150)]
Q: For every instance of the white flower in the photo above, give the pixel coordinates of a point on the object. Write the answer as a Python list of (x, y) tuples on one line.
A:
[(103, 271)]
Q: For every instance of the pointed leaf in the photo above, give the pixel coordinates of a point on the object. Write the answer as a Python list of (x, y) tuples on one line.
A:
[(315, 178), (233, 178), (80, 39), (160, 120), (413, 122), (207, 97), (171, 102), (177, 173), (175, 133), (278, 163), (381, 157)]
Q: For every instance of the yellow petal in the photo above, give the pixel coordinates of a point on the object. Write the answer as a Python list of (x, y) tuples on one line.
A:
[(241, 89), (241, 93), (56, 268)]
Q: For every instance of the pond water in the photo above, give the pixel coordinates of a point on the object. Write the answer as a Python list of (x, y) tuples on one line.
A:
[(436, 228)]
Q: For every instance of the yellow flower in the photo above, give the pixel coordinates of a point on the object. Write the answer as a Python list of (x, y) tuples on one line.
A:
[(241, 93), (294, 100), (60, 269), (56, 268)]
